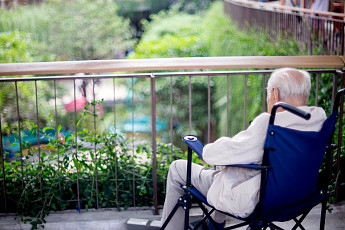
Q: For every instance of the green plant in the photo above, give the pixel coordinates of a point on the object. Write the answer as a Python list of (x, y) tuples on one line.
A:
[(100, 165), (73, 30)]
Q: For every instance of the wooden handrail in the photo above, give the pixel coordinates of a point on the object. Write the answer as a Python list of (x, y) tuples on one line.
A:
[(269, 5), (167, 64)]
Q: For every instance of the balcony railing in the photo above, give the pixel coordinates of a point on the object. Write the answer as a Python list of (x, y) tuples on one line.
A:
[(206, 70), (317, 31)]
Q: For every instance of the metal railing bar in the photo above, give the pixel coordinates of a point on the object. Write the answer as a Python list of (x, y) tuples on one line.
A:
[(264, 93), (154, 144), (340, 134), (227, 104), (95, 136), (115, 151), (190, 104), (317, 90), (19, 135), (133, 138), (38, 143), (157, 75), (3, 168), (74, 77), (245, 102), (171, 116), (334, 88), (208, 109), (76, 141), (57, 134)]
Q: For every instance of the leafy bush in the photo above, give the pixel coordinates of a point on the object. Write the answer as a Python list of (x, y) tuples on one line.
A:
[(72, 30), (14, 47), (17, 47), (101, 166)]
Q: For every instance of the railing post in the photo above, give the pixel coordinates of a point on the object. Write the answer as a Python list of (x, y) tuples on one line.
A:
[(38, 143), (3, 167), (76, 143), (115, 151), (245, 102), (154, 152), (340, 131), (19, 135), (95, 137)]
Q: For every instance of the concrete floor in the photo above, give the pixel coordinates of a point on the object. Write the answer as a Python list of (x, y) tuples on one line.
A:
[(144, 219)]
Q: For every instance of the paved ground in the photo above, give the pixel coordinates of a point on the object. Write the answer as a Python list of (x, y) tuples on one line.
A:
[(145, 220)]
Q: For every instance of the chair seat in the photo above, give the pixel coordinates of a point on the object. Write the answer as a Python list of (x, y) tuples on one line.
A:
[(305, 206), (281, 216)]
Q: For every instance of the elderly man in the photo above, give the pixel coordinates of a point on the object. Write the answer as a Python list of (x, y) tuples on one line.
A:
[(236, 190)]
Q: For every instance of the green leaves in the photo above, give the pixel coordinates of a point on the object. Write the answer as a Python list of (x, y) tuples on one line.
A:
[(79, 30), (58, 175)]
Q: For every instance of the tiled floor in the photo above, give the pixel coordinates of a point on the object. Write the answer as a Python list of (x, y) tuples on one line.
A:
[(144, 219)]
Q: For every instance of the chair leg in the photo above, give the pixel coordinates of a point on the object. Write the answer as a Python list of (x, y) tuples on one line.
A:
[(274, 227), (181, 202), (299, 221), (323, 215), (186, 207)]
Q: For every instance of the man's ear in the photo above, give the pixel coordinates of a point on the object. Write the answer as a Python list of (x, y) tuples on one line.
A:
[(275, 95)]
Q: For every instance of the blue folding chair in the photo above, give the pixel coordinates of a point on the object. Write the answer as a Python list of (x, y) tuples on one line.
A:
[(289, 175)]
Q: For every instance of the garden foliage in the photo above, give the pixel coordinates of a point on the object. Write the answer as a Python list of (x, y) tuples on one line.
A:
[(72, 30), (101, 168)]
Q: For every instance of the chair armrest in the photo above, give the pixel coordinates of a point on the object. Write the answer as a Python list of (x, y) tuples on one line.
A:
[(197, 146), (194, 143), (290, 108), (250, 166)]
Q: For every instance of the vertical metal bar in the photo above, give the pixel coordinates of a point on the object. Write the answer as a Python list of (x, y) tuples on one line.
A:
[(190, 105), (154, 153), (133, 137), (95, 137), (19, 135), (334, 89), (171, 116), (76, 142), (317, 90), (264, 93), (3, 168), (331, 36), (115, 151), (340, 40), (245, 102), (57, 136), (340, 134), (38, 143), (208, 110), (227, 106)]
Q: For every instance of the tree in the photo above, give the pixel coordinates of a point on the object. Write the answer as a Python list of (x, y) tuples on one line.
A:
[(72, 30), (15, 47)]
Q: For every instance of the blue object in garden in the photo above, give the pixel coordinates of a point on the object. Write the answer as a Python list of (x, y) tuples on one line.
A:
[(10, 143), (142, 124)]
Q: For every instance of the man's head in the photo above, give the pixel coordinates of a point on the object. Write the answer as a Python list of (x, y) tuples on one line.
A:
[(288, 85)]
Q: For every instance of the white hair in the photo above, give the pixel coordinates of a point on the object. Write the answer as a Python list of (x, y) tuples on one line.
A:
[(290, 82)]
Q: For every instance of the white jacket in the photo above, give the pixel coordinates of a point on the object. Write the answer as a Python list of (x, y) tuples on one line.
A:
[(236, 190)]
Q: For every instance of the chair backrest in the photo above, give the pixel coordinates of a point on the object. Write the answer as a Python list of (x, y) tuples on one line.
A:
[(295, 158)]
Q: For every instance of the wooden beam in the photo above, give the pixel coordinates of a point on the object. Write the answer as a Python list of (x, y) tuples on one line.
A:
[(167, 64)]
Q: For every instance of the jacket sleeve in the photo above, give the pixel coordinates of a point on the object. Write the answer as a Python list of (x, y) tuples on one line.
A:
[(246, 147)]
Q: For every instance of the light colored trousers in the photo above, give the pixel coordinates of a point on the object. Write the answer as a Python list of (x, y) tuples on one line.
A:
[(201, 179)]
